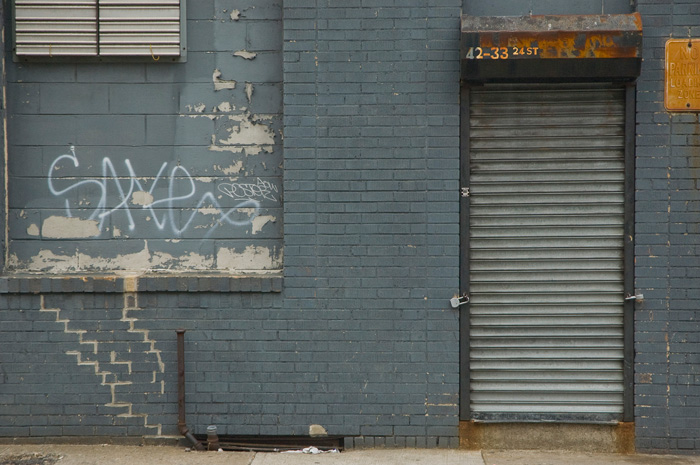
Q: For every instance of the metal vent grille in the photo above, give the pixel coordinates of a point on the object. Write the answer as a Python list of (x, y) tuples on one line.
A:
[(98, 28), (143, 27), (56, 28), (546, 253)]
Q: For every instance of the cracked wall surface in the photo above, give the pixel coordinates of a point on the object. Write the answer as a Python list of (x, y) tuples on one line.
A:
[(153, 166)]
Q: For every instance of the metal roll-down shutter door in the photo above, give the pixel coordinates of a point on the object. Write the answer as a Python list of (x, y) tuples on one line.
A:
[(546, 253)]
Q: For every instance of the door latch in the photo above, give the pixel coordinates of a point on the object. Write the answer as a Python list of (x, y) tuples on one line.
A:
[(637, 297), (457, 301)]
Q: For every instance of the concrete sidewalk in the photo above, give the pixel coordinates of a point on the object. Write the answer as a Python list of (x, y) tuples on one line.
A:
[(32, 454)]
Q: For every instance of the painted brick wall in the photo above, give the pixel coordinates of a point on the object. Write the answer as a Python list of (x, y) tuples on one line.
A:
[(371, 213), (94, 358), (153, 165), (77, 357), (547, 7), (359, 338), (667, 379)]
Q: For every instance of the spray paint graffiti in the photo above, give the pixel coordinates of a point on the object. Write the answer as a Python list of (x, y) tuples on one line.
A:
[(238, 191), (165, 211)]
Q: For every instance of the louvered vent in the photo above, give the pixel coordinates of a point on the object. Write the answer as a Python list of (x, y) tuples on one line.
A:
[(56, 28), (98, 28), (133, 27)]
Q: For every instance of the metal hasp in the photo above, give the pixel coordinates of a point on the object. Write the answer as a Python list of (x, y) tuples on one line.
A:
[(556, 48), (456, 302), (181, 424)]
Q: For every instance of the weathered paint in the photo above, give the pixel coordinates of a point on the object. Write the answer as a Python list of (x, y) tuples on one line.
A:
[(61, 227), (245, 54), (260, 221), (573, 36), (193, 165), (253, 259), (222, 84)]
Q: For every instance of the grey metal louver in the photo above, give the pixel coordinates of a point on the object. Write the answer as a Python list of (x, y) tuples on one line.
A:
[(56, 28), (98, 28), (546, 253), (140, 27)]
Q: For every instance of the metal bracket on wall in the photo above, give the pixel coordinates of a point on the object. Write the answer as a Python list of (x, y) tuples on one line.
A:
[(637, 297), (464, 192)]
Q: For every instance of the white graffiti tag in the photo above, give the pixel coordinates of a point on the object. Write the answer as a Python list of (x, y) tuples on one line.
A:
[(164, 211), (263, 190)]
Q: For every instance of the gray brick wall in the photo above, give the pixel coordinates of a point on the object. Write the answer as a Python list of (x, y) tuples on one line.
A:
[(667, 390), (371, 214), (358, 336)]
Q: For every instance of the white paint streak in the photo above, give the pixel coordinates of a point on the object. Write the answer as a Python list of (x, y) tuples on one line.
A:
[(62, 227)]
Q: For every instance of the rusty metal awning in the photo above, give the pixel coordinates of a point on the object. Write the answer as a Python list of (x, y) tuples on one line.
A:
[(568, 47)]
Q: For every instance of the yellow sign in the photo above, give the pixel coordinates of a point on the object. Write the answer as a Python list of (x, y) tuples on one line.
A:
[(682, 70)]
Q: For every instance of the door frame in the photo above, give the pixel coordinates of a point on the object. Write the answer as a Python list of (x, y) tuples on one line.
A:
[(628, 253)]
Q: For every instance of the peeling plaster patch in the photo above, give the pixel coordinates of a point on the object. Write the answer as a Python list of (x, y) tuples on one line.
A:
[(236, 168), (141, 198), (252, 136), (252, 260), (141, 261), (235, 15), (260, 221), (218, 148), (191, 261), (221, 84), (33, 230), (45, 260), (245, 54), (250, 133), (211, 117), (247, 211), (116, 232), (209, 211), (199, 108), (132, 261), (249, 91), (225, 107), (62, 227)]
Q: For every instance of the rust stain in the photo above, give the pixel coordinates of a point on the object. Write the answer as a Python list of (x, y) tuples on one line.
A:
[(556, 36), (560, 44)]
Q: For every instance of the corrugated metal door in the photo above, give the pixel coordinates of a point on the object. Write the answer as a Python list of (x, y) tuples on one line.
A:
[(546, 221)]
